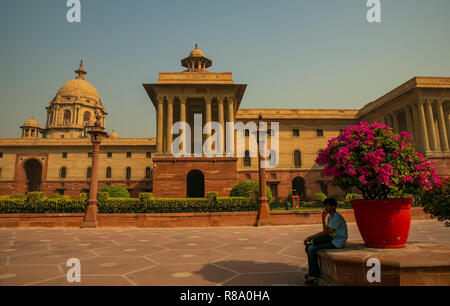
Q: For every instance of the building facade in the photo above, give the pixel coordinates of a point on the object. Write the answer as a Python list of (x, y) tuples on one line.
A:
[(56, 158)]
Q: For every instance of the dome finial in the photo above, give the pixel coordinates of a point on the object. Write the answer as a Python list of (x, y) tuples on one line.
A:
[(80, 71), (196, 46)]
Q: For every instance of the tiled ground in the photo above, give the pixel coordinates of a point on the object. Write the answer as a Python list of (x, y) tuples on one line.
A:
[(184, 256)]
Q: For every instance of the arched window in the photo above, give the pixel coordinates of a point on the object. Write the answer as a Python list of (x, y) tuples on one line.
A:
[(297, 159), (128, 174), (87, 116), (88, 173), (67, 114), (247, 160), (0, 172), (108, 172), (148, 172), (62, 172)]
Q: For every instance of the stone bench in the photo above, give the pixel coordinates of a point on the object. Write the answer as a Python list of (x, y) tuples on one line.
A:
[(418, 264)]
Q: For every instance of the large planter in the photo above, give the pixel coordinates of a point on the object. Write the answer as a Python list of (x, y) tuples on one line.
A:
[(383, 223)]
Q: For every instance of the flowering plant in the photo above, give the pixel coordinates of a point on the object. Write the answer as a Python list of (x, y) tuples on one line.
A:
[(378, 162)]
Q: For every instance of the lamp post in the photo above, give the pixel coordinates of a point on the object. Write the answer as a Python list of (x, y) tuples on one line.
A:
[(263, 210), (96, 133)]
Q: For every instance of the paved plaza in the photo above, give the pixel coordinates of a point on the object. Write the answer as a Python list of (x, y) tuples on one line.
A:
[(180, 257)]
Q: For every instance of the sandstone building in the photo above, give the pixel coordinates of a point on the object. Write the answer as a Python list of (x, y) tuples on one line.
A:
[(56, 158)]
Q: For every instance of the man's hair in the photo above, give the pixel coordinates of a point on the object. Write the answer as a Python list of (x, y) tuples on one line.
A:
[(330, 201)]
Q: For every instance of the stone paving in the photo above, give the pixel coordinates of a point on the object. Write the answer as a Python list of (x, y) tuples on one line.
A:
[(180, 257)]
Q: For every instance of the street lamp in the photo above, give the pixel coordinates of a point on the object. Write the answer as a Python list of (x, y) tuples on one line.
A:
[(96, 133), (263, 210)]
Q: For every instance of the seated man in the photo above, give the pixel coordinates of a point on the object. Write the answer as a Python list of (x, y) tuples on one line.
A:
[(334, 235)]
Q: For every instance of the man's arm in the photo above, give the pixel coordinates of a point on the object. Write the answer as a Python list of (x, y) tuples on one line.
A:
[(328, 231)]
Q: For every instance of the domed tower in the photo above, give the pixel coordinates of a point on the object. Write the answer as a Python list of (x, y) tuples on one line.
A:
[(196, 61), (72, 111), (31, 128)]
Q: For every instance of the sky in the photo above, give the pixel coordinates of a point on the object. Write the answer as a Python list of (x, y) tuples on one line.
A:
[(291, 53)]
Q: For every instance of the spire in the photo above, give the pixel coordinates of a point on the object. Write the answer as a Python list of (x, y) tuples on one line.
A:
[(80, 72)]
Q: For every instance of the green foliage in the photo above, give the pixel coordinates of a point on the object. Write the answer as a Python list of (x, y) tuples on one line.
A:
[(352, 196), (163, 205), (116, 192), (103, 196), (319, 197), (35, 196), (307, 204), (42, 206), (437, 202), (55, 196), (145, 196), (249, 189), (84, 196), (212, 195), (18, 196)]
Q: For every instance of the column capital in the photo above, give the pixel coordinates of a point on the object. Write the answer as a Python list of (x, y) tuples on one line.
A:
[(160, 99), (208, 99), (183, 99), (421, 101), (220, 100), (170, 99), (230, 98)]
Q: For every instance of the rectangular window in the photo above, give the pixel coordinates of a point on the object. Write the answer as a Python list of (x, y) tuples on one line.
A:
[(319, 133), (1, 155), (274, 190), (295, 132), (247, 133), (109, 154), (64, 155), (269, 132), (89, 154), (128, 154), (149, 154)]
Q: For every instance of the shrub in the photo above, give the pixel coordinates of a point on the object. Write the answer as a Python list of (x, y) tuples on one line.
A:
[(103, 196), (319, 197), (378, 162), (243, 189), (35, 196), (212, 195), (18, 196), (352, 196), (42, 206), (145, 196), (116, 192), (55, 196), (163, 205), (437, 202)]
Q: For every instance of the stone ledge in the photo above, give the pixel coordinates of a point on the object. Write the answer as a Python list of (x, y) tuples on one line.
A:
[(418, 264)]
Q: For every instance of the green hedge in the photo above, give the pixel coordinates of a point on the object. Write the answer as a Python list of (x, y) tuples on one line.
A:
[(248, 189), (37, 203), (162, 205), (116, 191)]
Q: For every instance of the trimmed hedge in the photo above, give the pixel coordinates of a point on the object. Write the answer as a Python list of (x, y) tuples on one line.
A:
[(248, 189), (116, 191), (163, 205), (37, 203)]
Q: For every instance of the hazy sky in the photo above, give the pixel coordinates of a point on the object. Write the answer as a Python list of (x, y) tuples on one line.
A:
[(291, 53)]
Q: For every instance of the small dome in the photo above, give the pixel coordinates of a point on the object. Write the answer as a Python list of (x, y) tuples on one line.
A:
[(31, 123), (196, 52), (79, 88), (113, 135)]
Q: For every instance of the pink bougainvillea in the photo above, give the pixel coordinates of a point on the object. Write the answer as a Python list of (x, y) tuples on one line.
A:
[(380, 163)]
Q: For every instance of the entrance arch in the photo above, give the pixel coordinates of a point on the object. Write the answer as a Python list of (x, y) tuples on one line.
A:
[(195, 184), (299, 187), (33, 172)]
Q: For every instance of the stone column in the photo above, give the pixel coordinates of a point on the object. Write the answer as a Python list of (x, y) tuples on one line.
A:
[(395, 122), (430, 120), (442, 127), (230, 109), (423, 127), (220, 101), (183, 101), (169, 124), (160, 132), (409, 121), (416, 124), (208, 113)]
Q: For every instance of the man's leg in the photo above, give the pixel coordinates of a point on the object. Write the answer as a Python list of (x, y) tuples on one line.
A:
[(313, 258)]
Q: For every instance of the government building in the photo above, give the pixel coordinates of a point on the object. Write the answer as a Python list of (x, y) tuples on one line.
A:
[(56, 157)]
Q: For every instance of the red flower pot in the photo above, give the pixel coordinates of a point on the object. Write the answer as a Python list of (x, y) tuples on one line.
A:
[(383, 223)]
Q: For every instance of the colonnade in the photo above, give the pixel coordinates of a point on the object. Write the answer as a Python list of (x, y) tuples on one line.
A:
[(420, 122)]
